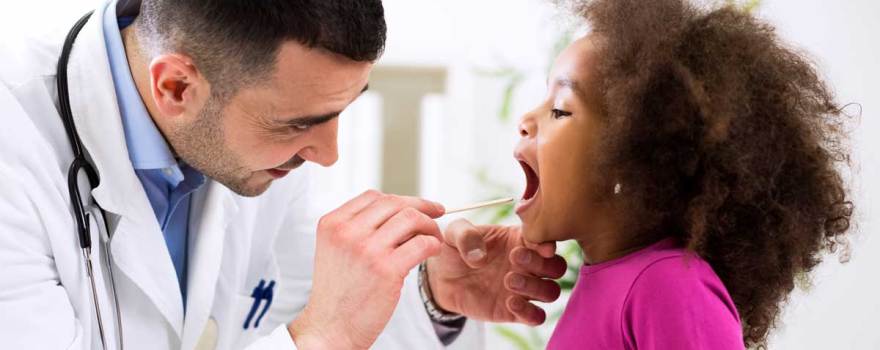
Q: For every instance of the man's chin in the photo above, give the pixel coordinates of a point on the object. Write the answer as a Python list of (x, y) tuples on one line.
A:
[(252, 187)]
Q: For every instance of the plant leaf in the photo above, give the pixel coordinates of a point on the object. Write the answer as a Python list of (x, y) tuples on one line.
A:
[(513, 337), (537, 340), (507, 96)]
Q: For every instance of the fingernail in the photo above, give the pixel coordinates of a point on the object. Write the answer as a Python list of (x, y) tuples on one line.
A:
[(516, 304), (524, 257), (517, 282), (439, 207), (475, 255)]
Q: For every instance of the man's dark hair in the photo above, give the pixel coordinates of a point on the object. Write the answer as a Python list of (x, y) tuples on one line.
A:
[(234, 42)]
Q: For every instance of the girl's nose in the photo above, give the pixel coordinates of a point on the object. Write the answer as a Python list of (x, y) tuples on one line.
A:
[(527, 127)]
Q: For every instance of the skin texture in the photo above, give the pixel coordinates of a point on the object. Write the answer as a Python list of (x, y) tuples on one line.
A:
[(366, 247)]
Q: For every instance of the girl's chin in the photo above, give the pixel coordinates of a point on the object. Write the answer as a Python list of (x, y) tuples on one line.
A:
[(532, 234)]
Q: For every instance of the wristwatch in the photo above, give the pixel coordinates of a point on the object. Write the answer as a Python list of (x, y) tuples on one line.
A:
[(436, 314)]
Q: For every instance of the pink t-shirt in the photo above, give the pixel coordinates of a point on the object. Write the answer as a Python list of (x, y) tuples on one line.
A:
[(660, 297)]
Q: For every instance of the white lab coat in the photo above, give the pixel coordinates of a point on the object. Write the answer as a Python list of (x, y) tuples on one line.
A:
[(45, 298)]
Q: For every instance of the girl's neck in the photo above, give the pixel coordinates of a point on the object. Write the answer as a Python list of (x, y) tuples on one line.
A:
[(597, 251), (606, 240)]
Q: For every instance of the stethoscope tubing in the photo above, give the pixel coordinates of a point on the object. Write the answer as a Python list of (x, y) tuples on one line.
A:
[(80, 163)]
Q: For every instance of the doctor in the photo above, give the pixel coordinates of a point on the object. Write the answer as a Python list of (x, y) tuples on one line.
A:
[(196, 116)]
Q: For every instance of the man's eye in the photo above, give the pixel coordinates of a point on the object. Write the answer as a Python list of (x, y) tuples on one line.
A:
[(300, 127), (558, 114)]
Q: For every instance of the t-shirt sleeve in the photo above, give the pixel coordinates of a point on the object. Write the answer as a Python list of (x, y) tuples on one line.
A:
[(679, 303)]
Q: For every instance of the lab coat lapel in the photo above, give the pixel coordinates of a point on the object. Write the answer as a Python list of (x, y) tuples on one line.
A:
[(139, 249), (213, 205)]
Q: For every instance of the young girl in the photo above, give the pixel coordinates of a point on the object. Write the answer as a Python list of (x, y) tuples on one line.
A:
[(694, 158)]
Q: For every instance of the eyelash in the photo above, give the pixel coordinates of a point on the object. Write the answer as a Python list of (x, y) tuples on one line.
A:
[(300, 128), (558, 114)]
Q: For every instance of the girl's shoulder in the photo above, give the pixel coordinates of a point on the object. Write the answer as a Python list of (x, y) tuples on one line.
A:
[(677, 293), (668, 271)]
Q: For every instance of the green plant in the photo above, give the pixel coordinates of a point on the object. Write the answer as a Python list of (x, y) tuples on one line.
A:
[(745, 5), (512, 78)]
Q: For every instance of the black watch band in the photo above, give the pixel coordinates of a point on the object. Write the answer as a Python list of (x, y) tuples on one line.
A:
[(436, 313)]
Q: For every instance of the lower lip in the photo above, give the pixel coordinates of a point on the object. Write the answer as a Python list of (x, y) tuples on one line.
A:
[(275, 173), (525, 204)]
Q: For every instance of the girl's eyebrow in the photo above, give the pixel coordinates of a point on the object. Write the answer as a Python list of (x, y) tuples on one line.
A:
[(564, 82), (569, 83), (577, 88)]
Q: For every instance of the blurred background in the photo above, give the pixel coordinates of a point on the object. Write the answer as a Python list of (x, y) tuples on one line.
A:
[(439, 121)]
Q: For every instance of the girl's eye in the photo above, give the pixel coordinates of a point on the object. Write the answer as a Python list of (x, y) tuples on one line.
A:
[(559, 114)]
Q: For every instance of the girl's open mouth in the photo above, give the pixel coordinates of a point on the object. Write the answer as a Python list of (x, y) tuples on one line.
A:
[(533, 185)]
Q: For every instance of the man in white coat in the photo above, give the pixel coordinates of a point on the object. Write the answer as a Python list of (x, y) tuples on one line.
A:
[(189, 111)]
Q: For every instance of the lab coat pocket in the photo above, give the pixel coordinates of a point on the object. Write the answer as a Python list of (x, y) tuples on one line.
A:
[(243, 312), (260, 300), (239, 326)]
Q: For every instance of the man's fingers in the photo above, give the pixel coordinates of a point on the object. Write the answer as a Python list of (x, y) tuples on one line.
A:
[(412, 252), (380, 207), (546, 249), (457, 228), (383, 208), (402, 227), (525, 312), (356, 204), (529, 261), (531, 287), (468, 240)]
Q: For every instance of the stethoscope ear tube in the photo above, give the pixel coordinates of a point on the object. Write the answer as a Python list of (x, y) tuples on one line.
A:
[(61, 83), (79, 161)]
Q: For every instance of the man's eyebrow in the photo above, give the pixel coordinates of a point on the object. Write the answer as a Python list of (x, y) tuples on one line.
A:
[(312, 120), (317, 119)]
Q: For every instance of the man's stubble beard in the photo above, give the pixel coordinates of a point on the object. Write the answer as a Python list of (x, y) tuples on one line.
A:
[(202, 146)]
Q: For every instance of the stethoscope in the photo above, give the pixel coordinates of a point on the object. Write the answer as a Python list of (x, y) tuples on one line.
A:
[(81, 165)]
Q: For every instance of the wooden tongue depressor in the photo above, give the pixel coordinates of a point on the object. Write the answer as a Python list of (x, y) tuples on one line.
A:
[(480, 205)]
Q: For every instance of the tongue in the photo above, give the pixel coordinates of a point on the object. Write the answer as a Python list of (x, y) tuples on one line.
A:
[(532, 182)]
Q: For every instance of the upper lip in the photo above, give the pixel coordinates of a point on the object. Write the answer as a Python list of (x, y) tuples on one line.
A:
[(290, 165)]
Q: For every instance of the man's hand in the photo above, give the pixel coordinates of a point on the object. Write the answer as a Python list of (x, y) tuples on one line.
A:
[(364, 251), (490, 273)]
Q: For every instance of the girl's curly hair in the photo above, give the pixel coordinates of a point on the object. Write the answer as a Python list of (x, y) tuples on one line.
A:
[(721, 135)]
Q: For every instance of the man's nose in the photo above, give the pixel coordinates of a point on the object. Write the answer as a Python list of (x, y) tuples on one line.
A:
[(323, 148)]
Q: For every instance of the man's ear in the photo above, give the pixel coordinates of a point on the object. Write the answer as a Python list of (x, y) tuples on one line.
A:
[(177, 86)]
